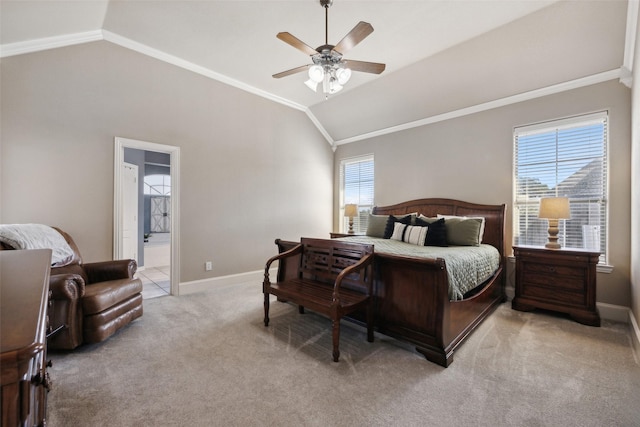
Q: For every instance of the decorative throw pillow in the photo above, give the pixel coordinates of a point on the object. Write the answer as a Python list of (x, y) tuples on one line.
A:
[(377, 225), (413, 234), (463, 231), (481, 234), (437, 235), (391, 220)]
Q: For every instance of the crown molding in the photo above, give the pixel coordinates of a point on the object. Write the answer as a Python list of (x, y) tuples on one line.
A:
[(623, 74), (633, 15), (525, 96), (29, 46), (190, 66)]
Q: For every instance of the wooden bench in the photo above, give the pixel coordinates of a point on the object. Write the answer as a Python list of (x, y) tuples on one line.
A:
[(334, 278)]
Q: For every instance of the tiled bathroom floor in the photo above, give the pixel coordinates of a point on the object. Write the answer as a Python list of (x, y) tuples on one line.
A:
[(155, 281)]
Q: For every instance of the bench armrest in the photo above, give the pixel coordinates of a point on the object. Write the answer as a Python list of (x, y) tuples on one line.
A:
[(291, 252), (363, 263)]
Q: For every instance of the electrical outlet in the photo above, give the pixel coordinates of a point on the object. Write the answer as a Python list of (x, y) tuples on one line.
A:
[(208, 266)]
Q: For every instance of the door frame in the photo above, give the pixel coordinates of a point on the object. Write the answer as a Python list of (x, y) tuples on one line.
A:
[(174, 155), (126, 201)]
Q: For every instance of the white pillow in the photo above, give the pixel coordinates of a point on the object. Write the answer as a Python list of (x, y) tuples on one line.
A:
[(413, 234)]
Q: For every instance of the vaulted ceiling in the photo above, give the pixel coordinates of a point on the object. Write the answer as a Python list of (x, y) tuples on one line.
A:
[(443, 57)]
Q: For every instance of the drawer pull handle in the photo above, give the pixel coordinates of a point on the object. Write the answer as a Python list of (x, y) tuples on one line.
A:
[(552, 269)]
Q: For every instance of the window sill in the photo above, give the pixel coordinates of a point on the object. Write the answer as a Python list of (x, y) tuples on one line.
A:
[(604, 268)]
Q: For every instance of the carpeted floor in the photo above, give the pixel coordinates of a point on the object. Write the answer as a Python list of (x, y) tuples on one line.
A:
[(207, 360)]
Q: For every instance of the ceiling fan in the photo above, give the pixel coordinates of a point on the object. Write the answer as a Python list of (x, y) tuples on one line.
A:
[(329, 66)]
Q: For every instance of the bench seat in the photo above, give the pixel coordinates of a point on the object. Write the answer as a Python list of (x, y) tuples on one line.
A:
[(317, 298), (334, 278)]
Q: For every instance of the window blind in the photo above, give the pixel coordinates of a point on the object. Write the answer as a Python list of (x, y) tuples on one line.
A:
[(563, 158), (357, 187)]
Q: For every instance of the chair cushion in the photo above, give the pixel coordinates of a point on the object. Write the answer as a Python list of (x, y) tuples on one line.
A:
[(101, 296)]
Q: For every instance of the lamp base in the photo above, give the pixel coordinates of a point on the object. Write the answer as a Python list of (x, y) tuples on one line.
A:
[(351, 226), (553, 230)]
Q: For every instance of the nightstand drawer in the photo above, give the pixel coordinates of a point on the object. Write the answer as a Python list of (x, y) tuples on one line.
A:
[(534, 268), (553, 294), (569, 283)]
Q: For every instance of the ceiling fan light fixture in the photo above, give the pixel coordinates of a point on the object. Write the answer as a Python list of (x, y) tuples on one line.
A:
[(316, 73), (329, 67), (334, 86), (343, 75), (312, 85)]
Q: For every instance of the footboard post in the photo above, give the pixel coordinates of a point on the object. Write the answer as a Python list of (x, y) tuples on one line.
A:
[(266, 302)]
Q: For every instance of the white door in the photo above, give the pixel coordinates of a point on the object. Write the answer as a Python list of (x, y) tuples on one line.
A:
[(129, 211)]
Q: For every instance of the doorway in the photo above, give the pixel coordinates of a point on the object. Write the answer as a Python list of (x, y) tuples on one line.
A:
[(171, 213)]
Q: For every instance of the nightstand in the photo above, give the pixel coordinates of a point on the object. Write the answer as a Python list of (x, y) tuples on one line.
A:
[(558, 280), (336, 235)]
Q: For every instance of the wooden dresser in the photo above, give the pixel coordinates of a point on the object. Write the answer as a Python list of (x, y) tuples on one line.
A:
[(24, 294), (559, 280)]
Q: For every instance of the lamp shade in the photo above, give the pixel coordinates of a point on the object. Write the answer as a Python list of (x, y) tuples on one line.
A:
[(316, 73), (350, 210), (343, 75), (312, 85), (554, 208)]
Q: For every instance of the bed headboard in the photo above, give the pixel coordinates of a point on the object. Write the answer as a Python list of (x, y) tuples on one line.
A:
[(493, 214)]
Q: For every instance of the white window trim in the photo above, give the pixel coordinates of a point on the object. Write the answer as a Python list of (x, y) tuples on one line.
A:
[(562, 123), (343, 162)]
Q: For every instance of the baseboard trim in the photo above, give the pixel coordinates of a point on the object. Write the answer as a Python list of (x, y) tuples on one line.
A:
[(510, 292), (195, 286), (617, 313), (635, 337)]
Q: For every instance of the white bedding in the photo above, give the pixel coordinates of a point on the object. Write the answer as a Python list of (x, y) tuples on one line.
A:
[(37, 236)]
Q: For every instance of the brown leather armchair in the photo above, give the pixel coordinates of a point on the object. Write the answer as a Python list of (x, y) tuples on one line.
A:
[(90, 302)]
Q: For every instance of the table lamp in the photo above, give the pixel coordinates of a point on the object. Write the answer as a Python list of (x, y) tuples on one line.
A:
[(554, 209), (350, 210)]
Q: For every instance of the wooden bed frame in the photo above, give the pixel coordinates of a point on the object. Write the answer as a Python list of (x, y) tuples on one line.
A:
[(411, 295)]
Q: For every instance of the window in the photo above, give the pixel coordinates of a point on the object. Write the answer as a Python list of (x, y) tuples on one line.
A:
[(563, 158), (356, 187), (157, 185)]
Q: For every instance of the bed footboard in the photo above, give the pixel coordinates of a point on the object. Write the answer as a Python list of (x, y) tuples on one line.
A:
[(411, 303)]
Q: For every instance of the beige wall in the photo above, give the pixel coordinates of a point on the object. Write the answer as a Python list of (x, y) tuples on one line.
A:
[(251, 170), (470, 158), (635, 185)]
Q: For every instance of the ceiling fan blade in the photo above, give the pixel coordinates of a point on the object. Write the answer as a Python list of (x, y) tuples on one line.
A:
[(355, 36), (367, 67), (296, 42), (291, 71)]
